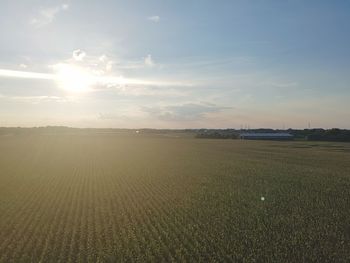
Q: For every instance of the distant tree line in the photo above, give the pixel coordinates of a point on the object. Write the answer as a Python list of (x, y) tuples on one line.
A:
[(319, 134), (340, 135)]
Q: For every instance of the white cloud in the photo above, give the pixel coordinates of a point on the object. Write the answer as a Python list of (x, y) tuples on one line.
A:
[(154, 19), (103, 58), (23, 66), (106, 62), (109, 66), (149, 61), (78, 55), (46, 16), (65, 6)]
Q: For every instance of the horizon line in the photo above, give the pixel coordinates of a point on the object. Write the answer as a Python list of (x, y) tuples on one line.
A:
[(177, 129)]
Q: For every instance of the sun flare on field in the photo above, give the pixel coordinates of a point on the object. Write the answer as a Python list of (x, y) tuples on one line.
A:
[(73, 78)]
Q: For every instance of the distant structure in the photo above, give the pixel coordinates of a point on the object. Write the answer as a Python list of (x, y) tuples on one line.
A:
[(266, 136)]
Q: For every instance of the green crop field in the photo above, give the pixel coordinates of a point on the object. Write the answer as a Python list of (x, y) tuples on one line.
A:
[(150, 198)]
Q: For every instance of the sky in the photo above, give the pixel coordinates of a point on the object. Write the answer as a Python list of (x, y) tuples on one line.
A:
[(175, 64)]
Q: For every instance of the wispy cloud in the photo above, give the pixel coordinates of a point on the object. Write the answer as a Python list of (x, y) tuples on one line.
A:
[(47, 15), (145, 62), (101, 81), (109, 63), (35, 99), (149, 61), (284, 84), (183, 112), (65, 6), (154, 19), (24, 74), (151, 91)]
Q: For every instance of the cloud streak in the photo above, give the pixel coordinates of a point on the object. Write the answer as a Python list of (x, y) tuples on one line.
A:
[(154, 19), (35, 99), (107, 81), (46, 16), (25, 74), (183, 112)]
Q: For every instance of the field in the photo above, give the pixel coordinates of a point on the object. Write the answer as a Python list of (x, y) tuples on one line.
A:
[(151, 198)]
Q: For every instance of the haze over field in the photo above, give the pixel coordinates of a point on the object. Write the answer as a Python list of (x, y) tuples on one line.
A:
[(174, 64)]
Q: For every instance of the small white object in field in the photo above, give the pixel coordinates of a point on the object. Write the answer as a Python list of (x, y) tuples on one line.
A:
[(137, 131), (262, 198)]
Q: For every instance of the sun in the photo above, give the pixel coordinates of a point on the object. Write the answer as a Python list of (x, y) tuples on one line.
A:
[(73, 78)]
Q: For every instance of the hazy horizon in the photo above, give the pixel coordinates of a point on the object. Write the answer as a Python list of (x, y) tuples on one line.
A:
[(174, 65), (175, 129)]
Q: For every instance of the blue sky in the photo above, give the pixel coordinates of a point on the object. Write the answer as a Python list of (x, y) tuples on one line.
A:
[(175, 64)]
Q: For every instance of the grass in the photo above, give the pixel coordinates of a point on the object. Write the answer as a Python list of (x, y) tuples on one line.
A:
[(149, 198)]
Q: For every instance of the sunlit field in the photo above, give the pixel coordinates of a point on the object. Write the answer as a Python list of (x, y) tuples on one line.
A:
[(104, 197)]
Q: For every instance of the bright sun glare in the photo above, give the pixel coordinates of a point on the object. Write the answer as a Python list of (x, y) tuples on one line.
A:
[(73, 78)]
